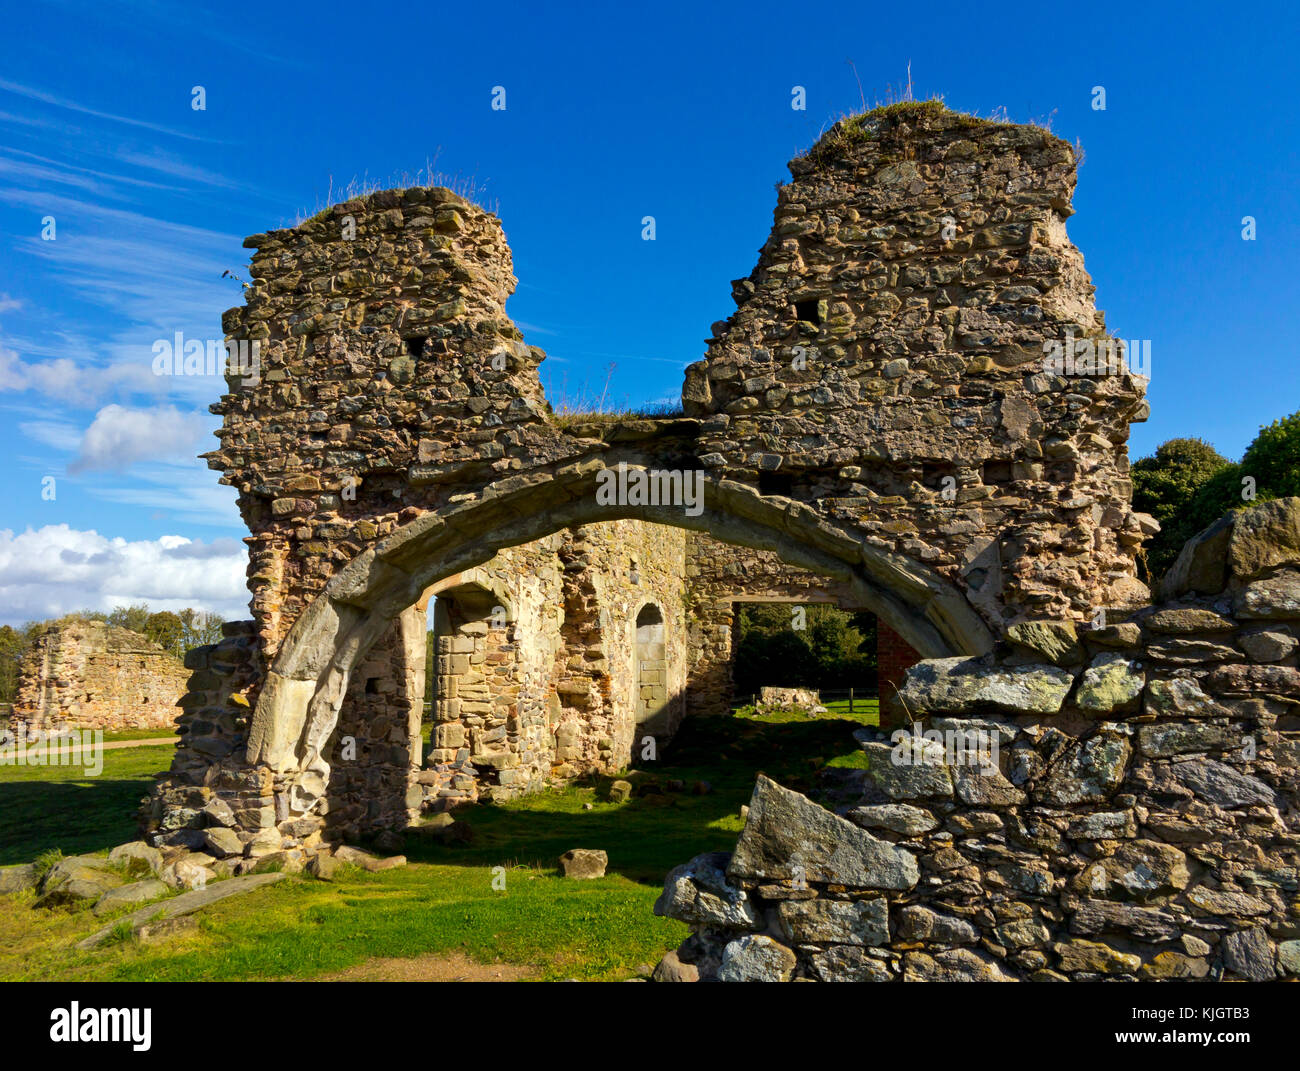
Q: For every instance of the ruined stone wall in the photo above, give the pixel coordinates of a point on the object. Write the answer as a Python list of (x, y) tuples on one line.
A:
[(635, 565), (876, 406), (886, 360), (536, 679), (88, 675), (1115, 803), (884, 367), (389, 375)]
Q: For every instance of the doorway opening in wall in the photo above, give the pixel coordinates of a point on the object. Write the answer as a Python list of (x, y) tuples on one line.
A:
[(652, 699), (810, 655), (469, 700)]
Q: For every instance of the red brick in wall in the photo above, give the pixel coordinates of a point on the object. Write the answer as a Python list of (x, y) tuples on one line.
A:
[(894, 656)]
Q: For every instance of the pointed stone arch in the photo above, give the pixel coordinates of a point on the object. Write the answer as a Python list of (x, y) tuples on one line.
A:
[(298, 706)]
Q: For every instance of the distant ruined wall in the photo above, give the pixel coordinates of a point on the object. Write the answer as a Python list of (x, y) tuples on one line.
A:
[(88, 675)]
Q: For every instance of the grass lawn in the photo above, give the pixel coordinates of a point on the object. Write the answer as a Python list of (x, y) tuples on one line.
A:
[(139, 734), (443, 901), (44, 807)]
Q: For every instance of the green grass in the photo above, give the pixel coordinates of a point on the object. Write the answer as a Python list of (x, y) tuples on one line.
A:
[(139, 734), (443, 901), (46, 807)]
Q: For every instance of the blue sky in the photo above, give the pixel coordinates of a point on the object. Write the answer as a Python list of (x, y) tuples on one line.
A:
[(611, 115)]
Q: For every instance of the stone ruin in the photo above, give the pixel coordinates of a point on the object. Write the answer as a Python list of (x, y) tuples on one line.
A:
[(90, 675), (874, 425), (1116, 802)]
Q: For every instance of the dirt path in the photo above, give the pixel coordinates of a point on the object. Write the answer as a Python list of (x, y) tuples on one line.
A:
[(454, 967), (110, 744)]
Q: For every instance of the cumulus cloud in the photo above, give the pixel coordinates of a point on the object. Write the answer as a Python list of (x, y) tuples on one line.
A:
[(119, 436), (56, 570)]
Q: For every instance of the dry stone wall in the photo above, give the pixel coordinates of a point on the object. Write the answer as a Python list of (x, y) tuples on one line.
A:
[(89, 675), (1116, 803)]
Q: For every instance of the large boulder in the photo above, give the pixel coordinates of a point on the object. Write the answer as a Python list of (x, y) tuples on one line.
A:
[(79, 877), (584, 863), (15, 879), (968, 685), (124, 854), (1264, 537), (1202, 565), (699, 893), (788, 837)]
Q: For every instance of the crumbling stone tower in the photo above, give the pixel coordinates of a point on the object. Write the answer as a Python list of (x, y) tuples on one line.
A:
[(886, 360)]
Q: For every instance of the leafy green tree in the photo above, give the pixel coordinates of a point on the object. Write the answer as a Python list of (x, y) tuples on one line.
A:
[(1273, 459), (199, 628), (12, 649), (135, 617), (834, 649), (1166, 482), (1164, 485), (1187, 485), (166, 630)]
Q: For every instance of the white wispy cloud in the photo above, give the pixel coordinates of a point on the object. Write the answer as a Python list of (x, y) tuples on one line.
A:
[(75, 382), (118, 437), (152, 276), (66, 104), (56, 569)]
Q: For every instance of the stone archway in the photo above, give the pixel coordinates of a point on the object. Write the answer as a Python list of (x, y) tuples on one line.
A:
[(877, 409), (297, 709)]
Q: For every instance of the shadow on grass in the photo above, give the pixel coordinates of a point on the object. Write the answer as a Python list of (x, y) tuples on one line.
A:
[(77, 817), (664, 824)]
